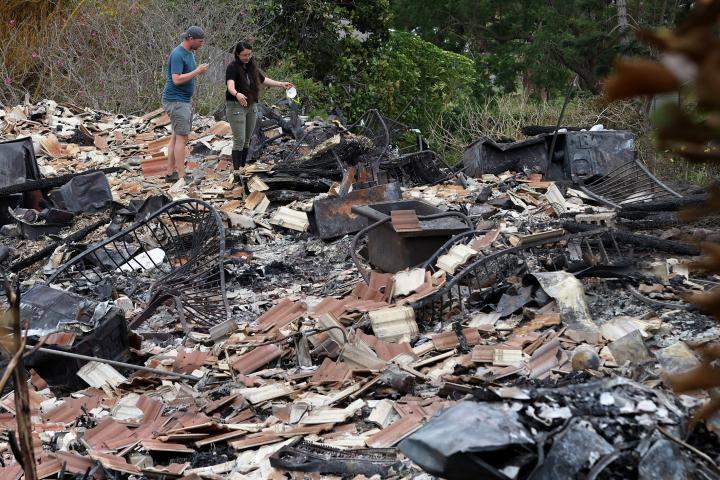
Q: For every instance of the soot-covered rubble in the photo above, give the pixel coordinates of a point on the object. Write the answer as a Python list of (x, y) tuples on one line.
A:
[(347, 306)]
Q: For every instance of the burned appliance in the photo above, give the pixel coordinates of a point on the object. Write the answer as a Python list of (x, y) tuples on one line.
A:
[(578, 155), (334, 216), (17, 165), (71, 323), (602, 162), (405, 233), (487, 156)]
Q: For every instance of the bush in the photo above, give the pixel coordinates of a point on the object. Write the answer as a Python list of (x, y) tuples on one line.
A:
[(322, 33), (313, 96), (407, 79)]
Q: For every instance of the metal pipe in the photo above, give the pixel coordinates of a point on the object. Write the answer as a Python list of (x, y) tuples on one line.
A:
[(559, 120), (114, 363), (353, 248)]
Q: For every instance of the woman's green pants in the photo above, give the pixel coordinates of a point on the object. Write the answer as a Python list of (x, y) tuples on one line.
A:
[(242, 122)]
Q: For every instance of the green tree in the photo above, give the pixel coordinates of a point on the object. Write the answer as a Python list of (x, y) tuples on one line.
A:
[(320, 33), (541, 42), (407, 78)]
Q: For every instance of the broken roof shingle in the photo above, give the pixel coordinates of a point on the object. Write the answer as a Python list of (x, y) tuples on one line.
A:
[(257, 358)]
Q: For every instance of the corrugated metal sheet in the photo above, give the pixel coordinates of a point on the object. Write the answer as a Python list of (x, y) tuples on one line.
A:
[(74, 463), (109, 434), (483, 353), (356, 305), (449, 340), (71, 408), (394, 324), (292, 219), (11, 472), (62, 339), (379, 287), (174, 469), (156, 166), (115, 462), (387, 351), (306, 430), (188, 361), (329, 305), (223, 437), (257, 201), (485, 241), (387, 437), (256, 440), (242, 416), (47, 466), (159, 446), (220, 402)]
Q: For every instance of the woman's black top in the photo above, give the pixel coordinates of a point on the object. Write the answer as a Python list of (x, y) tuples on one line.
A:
[(244, 82)]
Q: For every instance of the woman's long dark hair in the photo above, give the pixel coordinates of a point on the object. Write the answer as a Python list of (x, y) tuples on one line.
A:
[(254, 85)]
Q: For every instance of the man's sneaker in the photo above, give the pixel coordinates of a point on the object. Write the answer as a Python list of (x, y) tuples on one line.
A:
[(172, 178)]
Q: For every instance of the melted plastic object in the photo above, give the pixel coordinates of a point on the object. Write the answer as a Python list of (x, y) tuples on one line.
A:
[(573, 451), (17, 162), (17, 165), (47, 309), (84, 193), (468, 441)]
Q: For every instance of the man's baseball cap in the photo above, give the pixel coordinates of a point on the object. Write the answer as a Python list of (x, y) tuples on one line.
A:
[(194, 32)]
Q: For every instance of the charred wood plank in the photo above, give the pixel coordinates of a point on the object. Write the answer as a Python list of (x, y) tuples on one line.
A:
[(20, 378), (646, 242), (316, 185)]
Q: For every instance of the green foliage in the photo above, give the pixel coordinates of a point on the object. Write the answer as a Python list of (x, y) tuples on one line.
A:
[(314, 98), (407, 78), (321, 33), (541, 44)]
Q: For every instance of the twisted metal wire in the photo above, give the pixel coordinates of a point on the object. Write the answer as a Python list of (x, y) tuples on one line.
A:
[(192, 236)]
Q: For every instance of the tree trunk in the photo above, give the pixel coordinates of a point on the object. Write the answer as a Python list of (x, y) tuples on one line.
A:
[(623, 22)]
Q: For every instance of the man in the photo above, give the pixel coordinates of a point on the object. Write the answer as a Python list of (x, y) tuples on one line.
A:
[(177, 96)]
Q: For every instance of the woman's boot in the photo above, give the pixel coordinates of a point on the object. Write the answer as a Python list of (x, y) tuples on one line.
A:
[(238, 159)]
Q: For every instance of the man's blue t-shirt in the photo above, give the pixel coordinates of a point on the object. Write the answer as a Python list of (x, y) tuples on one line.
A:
[(180, 61)]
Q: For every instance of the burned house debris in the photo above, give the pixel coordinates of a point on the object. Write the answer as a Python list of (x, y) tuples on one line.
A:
[(348, 305), (601, 162)]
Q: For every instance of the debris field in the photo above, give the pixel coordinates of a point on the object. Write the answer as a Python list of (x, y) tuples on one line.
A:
[(348, 305)]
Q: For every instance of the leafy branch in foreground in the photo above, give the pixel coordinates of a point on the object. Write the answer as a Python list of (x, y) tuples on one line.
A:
[(689, 61)]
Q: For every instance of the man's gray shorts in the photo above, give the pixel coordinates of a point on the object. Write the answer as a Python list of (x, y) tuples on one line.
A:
[(180, 114)]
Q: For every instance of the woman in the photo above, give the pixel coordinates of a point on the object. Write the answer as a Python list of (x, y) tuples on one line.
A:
[(243, 78)]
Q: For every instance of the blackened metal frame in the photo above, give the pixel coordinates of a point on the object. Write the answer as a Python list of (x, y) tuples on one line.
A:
[(494, 267), (191, 234), (628, 184)]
